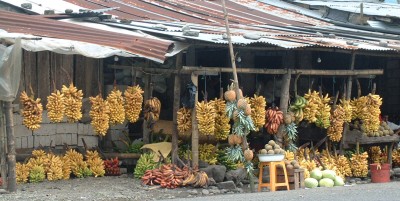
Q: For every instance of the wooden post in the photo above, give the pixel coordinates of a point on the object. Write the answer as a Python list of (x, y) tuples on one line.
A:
[(283, 105), (3, 166), (11, 176), (176, 104), (146, 96), (195, 131)]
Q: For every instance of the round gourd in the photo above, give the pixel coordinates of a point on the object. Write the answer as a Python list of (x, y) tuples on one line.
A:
[(310, 183)]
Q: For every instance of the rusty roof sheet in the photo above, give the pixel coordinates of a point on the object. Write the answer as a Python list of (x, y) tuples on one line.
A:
[(148, 47)]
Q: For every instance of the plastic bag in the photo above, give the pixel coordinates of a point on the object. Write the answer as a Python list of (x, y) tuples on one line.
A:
[(10, 70), (189, 95)]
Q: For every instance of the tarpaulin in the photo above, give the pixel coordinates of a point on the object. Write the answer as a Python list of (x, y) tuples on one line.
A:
[(10, 70)]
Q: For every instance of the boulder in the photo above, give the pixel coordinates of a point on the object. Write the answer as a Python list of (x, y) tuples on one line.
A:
[(217, 172), (236, 175), (228, 185)]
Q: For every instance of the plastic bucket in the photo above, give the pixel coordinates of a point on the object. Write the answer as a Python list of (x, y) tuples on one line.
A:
[(380, 173)]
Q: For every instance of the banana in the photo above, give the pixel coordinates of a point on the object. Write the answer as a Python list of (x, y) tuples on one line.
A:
[(100, 114), (31, 112), (73, 102)]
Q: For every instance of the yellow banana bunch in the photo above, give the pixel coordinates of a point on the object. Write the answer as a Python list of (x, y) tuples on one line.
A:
[(55, 106), (335, 130), (257, 105), (289, 155), (95, 163), (375, 153), (396, 157), (100, 114), (152, 109), (343, 166), (73, 102), (31, 112), (38, 153), (301, 152), (133, 102), (205, 115), (308, 166), (184, 121), (348, 110), (367, 109), (208, 153), (359, 164), (317, 110), (222, 126), (117, 110), (66, 168), (76, 160), (54, 169), (22, 172)]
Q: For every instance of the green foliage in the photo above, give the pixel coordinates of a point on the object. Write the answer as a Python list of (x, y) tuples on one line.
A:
[(291, 130), (144, 163), (224, 160), (235, 153), (37, 174)]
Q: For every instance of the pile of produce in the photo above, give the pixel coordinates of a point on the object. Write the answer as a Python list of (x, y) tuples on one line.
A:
[(184, 121), (31, 112), (116, 105), (145, 162), (297, 108), (55, 106), (383, 129), (73, 103), (367, 109), (292, 164), (100, 114), (152, 109), (133, 103), (205, 115), (222, 126), (207, 153), (272, 148), (325, 178), (224, 160), (274, 118), (111, 167), (257, 105), (339, 163), (396, 158), (95, 163), (317, 109)]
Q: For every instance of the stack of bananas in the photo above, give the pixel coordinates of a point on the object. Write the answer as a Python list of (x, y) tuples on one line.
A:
[(343, 166), (297, 108), (95, 163), (396, 158), (308, 166), (222, 126), (359, 164), (73, 102), (66, 167), (335, 130), (328, 161), (54, 170), (274, 118), (348, 110), (37, 174), (39, 157), (77, 163), (207, 153), (224, 160), (258, 104), (375, 153), (317, 110), (367, 109), (117, 110), (145, 162), (55, 107), (22, 173), (302, 152), (100, 114), (205, 115), (152, 109), (184, 121), (32, 111), (133, 102), (196, 179), (289, 155)]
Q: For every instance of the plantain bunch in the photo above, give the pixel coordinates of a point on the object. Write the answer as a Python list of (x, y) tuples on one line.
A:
[(152, 109), (396, 158), (100, 114), (54, 169), (348, 109), (205, 115), (359, 164), (31, 112), (317, 110), (258, 104), (222, 126), (66, 168), (95, 163), (343, 168), (328, 161), (208, 153), (77, 164), (308, 166), (116, 104), (55, 106), (302, 152), (367, 109), (335, 130), (184, 121), (133, 102), (289, 155), (375, 154), (22, 173), (73, 102)]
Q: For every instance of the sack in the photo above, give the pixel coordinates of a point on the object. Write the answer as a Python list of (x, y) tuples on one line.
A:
[(188, 97)]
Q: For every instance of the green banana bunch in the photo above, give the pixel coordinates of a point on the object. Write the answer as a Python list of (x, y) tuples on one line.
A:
[(297, 108), (223, 159), (144, 163)]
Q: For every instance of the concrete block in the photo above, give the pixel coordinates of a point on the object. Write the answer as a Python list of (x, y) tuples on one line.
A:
[(21, 131), (74, 139), (67, 128), (45, 118), (82, 128), (91, 141), (17, 119), (30, 141), (119, 126), (43, 140), (91, 131), (18, 144), (46, 129), (24, 142)]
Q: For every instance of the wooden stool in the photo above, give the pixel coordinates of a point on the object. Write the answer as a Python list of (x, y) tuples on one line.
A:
[(272, 175)]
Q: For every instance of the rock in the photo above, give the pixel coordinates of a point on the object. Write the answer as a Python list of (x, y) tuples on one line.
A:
[(240, 185), (229, 185), (193, 192), (357, 179), (368, 180), (224, 191), (213, 188), (230, 192), (211, 182), (203, 164), (358, 182), (352, 181), (236, 175), (239, 190), (217, 172), (396, 171), (215, 191), (205, 192)]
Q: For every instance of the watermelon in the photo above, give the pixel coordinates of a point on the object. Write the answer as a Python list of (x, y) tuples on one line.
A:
[(316, 174), (338, 181), (326, 182), (311, 183), (329, 174)]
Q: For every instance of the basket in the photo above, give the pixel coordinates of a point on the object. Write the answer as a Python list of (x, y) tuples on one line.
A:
[(270, 157)]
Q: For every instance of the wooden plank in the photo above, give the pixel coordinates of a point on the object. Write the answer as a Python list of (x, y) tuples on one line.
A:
[(355, 136), (195, 131), (62, 69), (45, 85), (3, 156), (30, 71), (79, 72), (176, 104)]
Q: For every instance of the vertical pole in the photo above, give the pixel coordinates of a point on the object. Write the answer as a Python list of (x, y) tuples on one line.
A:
[(195, 131), (146, 96), (12, 179), (3, 165), (177, 92), (283, 105), (361, 13)]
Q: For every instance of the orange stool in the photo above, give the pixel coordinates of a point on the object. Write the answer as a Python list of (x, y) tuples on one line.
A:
[(272, 175)]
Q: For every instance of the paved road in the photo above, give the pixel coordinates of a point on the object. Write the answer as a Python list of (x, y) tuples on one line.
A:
[(363, 192)]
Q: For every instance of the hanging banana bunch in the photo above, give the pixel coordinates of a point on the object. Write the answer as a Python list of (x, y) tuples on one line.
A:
[(367, 109), (55, 106), (222, 126), (117, 110), (73, 103), (359, 164), (100, 114), (335, 130), (317, 110), (205, 115), (152, 109), (348, 109), (274, 118), (297, 108), (31, 112), (324, 112), (184, 121), (133, 102), (257, 105)]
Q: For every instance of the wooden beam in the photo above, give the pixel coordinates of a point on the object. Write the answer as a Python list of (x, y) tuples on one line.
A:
[(195, 131), (283, 105), (11, 176), (176, 104), (146, 96), (3, 165)]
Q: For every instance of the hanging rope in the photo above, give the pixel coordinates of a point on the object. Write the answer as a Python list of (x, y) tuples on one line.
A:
[(333, 85)]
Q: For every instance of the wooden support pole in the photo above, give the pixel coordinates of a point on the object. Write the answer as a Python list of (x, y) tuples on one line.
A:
[(3, 165), (11, 176), (283, 105), (176, 104), (195, 131), (146, 130)]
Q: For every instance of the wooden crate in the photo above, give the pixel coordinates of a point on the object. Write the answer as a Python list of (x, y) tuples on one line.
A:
[(295, 177)]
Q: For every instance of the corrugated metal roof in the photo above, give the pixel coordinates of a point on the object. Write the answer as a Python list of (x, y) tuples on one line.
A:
[(148, 47), (39, 6)]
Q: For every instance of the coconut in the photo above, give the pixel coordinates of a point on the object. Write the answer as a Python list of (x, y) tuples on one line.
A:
[(271, 152), (268, 147), (263, 151), (230, 95), (277, 151), (276, 146), (271, 142)]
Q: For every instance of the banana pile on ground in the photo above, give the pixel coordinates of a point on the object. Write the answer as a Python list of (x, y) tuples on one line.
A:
[(359, 164), (272, 148), (111, 167), (31, 112), (222, 126), (100, 115), (224, 160), (55, 106), (145, 162), (339, 163), (208, 153), (116, 104), (152, 109), (205, 115), (297, 108), (73, 103), (95, 163), (184, 121), (335, 130), (171, 176), (383, 129), (257, 105), (274, 118), (133, 102), (317, 109), (369, 117)]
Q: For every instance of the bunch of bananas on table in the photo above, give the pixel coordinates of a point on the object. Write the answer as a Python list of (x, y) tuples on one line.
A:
[(335, 130), (100, 114), (205, 115), (274, 118), (297, 108), (55, 106), (152, 109), (73, 103), (367, 109), (258, 104), (117, 110), (133, 102), (31, 112), (184, 121), (359, 164), (222, 126), (317, 110)]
